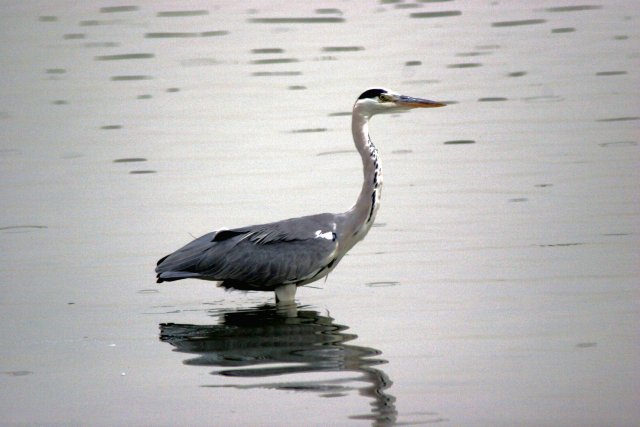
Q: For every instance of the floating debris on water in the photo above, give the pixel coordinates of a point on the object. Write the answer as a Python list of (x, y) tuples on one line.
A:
[(118, 9), (518, 23), (572, 8), (267, 50), (492, 99), (181, 13), (441, 14), (130, 160), (342, 48), (124, 56), (465, 65), (611, 73), (311, 20), (563, 30), (130, 78)]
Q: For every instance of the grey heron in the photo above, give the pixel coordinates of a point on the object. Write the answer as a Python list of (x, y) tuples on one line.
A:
[(280, 256)]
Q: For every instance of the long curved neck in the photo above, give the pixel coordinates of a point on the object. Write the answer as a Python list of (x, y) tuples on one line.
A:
[(361, 216)]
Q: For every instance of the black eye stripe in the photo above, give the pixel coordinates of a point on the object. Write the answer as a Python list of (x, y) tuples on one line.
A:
[(372, 93)]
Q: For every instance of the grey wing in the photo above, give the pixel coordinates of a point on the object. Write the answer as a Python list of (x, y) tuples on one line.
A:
[(259, 257)]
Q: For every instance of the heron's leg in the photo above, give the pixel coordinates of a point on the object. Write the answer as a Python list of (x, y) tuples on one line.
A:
[(285, 293)]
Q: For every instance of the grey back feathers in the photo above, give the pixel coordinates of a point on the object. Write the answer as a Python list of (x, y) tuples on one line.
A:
[(257, 257)]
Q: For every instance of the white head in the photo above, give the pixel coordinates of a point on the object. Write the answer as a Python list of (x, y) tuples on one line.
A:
[(380, 101)]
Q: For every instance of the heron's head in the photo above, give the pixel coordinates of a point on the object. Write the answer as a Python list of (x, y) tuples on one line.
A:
[(379, 101)]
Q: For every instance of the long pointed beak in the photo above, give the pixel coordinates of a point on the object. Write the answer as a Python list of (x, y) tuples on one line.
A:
[(410, 102)]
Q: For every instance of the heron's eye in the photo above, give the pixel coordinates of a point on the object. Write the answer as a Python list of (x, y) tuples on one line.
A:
[(384, 97)]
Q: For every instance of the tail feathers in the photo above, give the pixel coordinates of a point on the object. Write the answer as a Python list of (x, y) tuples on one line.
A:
[(170, 276)]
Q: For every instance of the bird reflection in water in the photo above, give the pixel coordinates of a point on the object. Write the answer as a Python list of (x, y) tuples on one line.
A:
[(271, 340)]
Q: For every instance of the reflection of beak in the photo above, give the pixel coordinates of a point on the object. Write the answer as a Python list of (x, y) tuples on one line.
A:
[(410, 102)]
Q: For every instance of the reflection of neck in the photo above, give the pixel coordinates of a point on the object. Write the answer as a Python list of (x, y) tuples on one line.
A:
[(363, 213)]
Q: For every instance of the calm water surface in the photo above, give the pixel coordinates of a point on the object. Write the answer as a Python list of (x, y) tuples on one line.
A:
[(499, 286)]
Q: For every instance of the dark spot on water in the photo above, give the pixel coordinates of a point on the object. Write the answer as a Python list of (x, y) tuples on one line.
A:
[(181, 13), (382, 284), (342, 48), (468, 54), (16, 373), (340, 114), (130, 160), (586, 344), (124, 56), (407, 6), (130, 78), (492, 99), (60, 102), (561, 245), (296, 87), (118, 9), (617, 234), (619, 119), (611, 73), (488, 46), (329, 11), (71, 303), (267, 50), (23, 227), (572, 8), (465, 65), (311, 20), (310, 130), (48, 18), (543, 98), (518, 200), (73, 36), (563, 30), (273, 61), (111, 127), (543, 185), (440, 14), (276, 73), (55, 71), (213, 33), (459, 142), (173, 89), (141, 172), (518, 23), (621, 38), (517, 74), (145, 96), (412, 63), (618, 143)]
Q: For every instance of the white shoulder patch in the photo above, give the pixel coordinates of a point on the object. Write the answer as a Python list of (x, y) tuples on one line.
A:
[(328, 235)]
